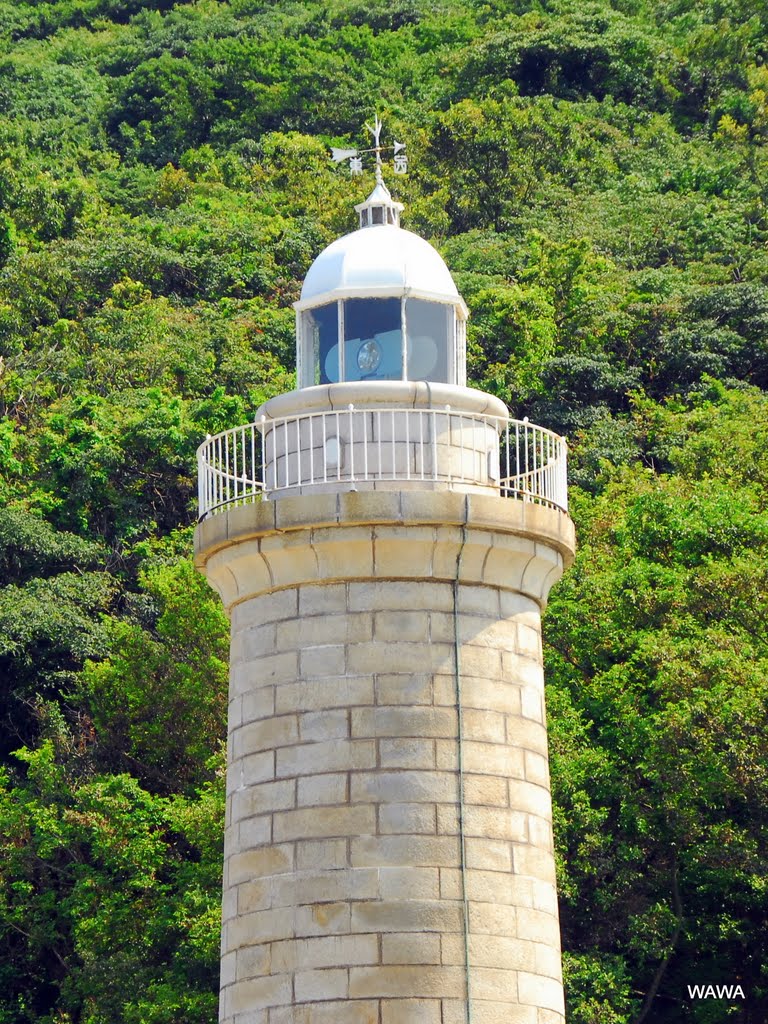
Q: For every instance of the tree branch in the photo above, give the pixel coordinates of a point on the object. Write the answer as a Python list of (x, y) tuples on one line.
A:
[(662, 968)]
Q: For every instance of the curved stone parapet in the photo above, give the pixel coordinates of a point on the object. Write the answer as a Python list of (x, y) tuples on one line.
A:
[(388, 534)]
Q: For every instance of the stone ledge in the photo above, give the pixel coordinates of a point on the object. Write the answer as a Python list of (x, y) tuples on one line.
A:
[(549, 528), (368, 394)]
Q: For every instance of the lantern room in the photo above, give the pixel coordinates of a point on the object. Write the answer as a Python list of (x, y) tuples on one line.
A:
[(381, 401), (379, 304)]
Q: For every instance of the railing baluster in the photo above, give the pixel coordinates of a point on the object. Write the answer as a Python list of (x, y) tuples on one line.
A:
[(463, 436), (463, 445), (517, 457), (200, 487), (233, 463), (471, 463), (407, 445), (226, 466), (477, 469), (252, 463), (540, 490), (421, 441), (275, 456), (274, 433), (338, 447), (364, 421), (211, 448), (564, 481), (268, 468), (298, 452), (351, 442), (507, 455), (379, 467), (450, 442), (325, 452), (204, 469), (234, 466), (214, 445), (242, 462), (275, 453), (311, 448), (394, 447), (262, 449), (212, 475), (286, 459), (224, 471)]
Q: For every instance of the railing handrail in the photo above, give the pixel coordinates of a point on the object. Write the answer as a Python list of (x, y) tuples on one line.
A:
[(260, 459)]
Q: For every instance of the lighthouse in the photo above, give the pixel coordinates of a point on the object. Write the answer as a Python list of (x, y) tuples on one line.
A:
[(384, 539)]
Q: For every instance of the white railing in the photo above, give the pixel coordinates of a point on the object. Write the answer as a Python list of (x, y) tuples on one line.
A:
[(345, 448)]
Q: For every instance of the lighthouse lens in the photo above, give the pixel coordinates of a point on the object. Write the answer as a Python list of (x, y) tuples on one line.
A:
[(373, 340), (368, 357)]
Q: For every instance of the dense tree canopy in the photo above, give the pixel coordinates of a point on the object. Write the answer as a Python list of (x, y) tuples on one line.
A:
[(596, 175)]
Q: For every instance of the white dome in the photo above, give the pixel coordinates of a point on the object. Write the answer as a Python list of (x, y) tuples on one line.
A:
[(381, 260)]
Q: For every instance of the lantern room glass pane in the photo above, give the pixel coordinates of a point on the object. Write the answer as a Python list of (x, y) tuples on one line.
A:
[(321, 344), (428, 340), (373, 341)]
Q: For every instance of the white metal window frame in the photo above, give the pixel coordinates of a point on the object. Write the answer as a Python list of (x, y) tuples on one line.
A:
[(456, 314)]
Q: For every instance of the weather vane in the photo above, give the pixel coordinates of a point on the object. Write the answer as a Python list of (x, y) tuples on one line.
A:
[(355, 156)]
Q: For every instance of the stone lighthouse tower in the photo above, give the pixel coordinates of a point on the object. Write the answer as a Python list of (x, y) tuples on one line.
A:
[(384, 539)]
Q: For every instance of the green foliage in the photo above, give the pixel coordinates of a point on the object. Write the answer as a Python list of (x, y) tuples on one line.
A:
[(49, 625), (158, 702), (657, 667), (164, 108), (30, 547), (599, 990), (107, 905), (121, 464), (576, 50)]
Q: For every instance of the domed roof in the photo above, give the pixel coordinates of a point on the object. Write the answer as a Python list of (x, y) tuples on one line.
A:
[(381, 260)]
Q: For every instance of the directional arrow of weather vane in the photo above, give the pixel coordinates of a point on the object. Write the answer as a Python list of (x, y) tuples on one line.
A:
[(355, 156)]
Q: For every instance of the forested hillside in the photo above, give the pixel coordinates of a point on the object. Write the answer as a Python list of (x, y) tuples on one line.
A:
[(595, 174)]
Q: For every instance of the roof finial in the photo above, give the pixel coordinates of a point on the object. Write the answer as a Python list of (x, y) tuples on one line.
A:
[(355, 156), (376, 133), (379, 207)]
